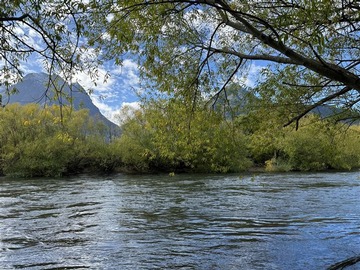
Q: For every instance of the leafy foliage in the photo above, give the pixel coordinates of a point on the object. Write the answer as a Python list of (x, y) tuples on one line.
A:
[(53, 32), (193, 47), (189, 51), (165, 135), (41, 142), (202, 46), (322, 145), (316, 145)]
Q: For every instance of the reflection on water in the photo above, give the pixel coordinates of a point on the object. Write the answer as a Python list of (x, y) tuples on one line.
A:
[(278, 221)]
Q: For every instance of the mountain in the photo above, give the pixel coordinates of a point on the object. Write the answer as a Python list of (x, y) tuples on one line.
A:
[(34, 88)]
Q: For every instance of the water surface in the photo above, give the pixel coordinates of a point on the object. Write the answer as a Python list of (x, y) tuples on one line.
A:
[(265, 221)]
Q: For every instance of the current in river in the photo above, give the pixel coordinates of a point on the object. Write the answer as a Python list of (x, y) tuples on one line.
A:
[(249, 221)]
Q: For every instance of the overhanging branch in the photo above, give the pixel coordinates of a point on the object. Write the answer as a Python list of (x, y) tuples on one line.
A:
[(263, 57), (323, 68), (320, 102), (9, 19)]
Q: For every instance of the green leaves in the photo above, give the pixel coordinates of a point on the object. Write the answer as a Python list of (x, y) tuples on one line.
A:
[(186, 46), (200, 47), (41, 142), (48, 30), (317, 144), (166, 136)]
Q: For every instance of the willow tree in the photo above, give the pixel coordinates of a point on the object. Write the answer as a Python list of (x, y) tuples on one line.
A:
[(198, 47), (204, 45), (164, 135), (47, 34)]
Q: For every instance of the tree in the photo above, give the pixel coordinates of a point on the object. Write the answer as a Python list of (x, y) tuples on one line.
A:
[(207, 43), (320, 145), (51, 31), (199, 46), (38, 141), (166, 136)]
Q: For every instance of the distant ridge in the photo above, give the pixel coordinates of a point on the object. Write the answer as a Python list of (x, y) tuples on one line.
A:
[(34, 88)]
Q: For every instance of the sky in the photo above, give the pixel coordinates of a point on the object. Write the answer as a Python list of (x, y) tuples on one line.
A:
[(109, 95), (123, 84), (119, 89)]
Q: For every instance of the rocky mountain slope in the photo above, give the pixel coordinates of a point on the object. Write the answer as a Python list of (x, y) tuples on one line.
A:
[(35, 88)]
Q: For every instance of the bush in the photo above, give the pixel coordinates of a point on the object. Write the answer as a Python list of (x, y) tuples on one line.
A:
[(319, 145)]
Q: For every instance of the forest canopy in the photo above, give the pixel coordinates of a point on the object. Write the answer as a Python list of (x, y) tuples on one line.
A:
[(198, 47)]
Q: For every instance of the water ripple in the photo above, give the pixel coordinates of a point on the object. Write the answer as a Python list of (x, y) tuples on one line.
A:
[(267, 221)]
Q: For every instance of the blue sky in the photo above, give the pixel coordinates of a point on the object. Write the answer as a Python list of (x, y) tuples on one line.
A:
[(116, 91), (108, 95), (123, 84), (121, 87)]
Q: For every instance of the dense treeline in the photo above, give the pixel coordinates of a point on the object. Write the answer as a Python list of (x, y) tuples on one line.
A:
[(52, 141), (165, 135), (317, 144)]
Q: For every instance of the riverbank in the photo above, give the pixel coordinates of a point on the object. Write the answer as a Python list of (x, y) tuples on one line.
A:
[(254, 170)]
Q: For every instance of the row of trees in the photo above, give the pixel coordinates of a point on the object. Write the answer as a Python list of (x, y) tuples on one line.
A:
[(164, 135), (52, 141)]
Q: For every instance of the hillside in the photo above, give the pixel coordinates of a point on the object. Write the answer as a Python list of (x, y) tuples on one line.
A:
[(34, 89)]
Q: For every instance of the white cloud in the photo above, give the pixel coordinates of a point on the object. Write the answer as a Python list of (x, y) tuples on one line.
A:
[(33, 65), (108, 111), (110, 94), (19, 31), (126, 111), (101, 83), (118, 113), (134, 105), (251, 76), (110, 17), (129, 72)]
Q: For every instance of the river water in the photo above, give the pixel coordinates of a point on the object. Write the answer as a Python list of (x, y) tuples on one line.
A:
[(264, 221)]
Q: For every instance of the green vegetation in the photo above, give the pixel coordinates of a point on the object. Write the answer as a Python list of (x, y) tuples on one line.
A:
[(51, 141), (317, 145), (309, 48), (164, 136), (308, 53)]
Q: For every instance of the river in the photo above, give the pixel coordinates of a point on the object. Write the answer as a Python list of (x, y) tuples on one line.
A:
[(264, 221)]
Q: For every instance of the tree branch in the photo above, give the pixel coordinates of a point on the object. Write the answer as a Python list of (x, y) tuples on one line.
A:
[(316, 104), (20, 18), (277, 59), (326, 69)]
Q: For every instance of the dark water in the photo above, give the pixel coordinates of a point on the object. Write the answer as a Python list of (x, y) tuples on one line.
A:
[(279, 221)]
